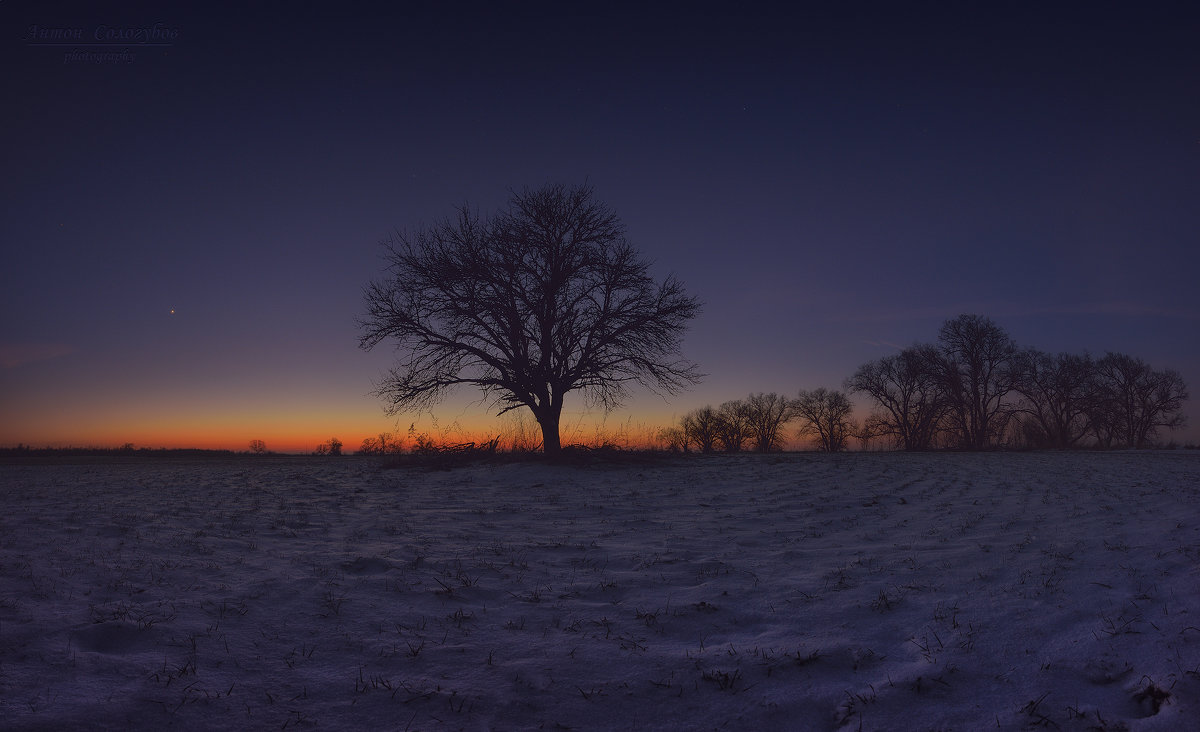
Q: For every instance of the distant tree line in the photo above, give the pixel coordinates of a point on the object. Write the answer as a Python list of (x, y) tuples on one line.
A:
[(977, 389), (126, 450), (385, 444), (973, 389), (332, 446), (757, 423)]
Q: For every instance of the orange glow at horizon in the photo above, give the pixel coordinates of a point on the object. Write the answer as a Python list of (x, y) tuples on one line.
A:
[(303, 435), (292, 424)]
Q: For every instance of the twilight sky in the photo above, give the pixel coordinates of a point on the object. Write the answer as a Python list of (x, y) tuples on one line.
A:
[(187, 227)]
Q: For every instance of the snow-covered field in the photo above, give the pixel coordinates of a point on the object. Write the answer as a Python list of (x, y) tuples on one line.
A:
[(828, 592)]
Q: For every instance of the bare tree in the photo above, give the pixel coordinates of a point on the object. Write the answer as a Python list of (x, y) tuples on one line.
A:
[(1134, 401), (733, 425), (909, 395), (766, 415), (977, 376), (1059, 393), (386, 443), (675, 439), (826, 417), (866, 432), (700, 427), (332, 446), (545, 298)]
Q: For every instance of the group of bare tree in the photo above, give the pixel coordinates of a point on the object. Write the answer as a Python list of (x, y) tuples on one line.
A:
[(332, 446), (974, 389), (977, 389), (386, 444), (547, 296), (758, 423)]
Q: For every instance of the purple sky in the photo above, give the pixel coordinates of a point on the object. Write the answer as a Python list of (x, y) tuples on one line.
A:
[(833, 185)]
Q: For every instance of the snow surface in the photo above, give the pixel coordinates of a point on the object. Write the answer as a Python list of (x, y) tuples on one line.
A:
[(876, 591)]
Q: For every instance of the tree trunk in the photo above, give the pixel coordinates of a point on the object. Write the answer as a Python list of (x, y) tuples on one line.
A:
[(550, 439)]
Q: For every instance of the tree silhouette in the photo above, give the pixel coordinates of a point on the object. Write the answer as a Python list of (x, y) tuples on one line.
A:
[(386, 443), (909, 394), (733, 425), (332, 446), (1059, 393), (700, 427), (977, 388), (1134, 401), (977, 375), (545, 298), (675, 438), (766, 415), (826, 416)]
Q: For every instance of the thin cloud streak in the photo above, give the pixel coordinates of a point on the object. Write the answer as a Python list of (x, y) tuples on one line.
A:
[(1000, 310), (13, 355)]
